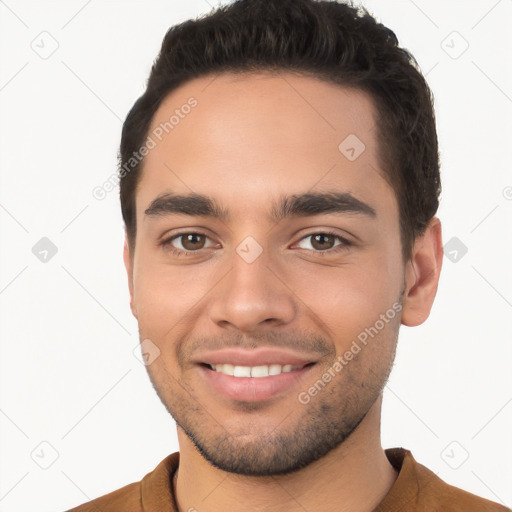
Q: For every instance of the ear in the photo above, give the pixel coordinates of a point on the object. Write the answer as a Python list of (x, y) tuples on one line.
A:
[(422, 275), (128, 263)]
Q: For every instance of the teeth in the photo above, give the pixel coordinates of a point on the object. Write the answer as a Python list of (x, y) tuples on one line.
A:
[(228, 369), (254, 371), (259, 371), (274, 369), (241, 371)]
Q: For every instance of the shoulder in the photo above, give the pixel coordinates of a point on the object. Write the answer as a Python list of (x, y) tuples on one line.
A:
[(121, 499), (446, 497), (153, 489), (419, 489)]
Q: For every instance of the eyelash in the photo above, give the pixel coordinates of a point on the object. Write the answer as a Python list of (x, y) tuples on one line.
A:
[(180, 252)]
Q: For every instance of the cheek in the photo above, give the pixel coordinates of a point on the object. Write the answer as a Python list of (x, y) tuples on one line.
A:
[(352, 298), (166, 297)]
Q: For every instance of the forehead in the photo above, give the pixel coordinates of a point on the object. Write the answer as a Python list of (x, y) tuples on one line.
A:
[(247, 132)]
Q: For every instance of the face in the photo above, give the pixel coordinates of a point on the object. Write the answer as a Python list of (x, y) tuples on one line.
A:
[(290, 265)]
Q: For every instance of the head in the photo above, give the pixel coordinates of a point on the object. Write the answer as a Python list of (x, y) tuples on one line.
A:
[(279, 181)]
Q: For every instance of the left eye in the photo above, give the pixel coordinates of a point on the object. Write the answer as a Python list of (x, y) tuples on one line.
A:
[(323, 241)]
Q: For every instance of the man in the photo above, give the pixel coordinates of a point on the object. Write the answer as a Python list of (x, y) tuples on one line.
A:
[(279, 185)]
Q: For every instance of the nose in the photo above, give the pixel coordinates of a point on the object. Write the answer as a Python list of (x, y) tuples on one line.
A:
[(252, 295)]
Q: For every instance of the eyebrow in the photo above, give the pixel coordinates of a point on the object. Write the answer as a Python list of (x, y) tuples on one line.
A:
[(308, 204), (297, 205)]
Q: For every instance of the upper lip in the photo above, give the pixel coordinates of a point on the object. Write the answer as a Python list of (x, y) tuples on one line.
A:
[(253, 357)]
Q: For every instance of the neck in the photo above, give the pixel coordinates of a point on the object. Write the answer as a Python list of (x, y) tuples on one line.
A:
[(355, 476)]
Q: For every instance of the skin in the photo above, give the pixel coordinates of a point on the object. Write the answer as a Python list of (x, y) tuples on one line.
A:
[(250, 140)]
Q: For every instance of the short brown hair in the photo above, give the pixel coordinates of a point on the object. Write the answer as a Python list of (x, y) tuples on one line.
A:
[(333, 41)]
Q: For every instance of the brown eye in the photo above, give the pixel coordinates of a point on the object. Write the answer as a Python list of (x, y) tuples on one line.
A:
[(188, 244), (192, 241), (322, 241)]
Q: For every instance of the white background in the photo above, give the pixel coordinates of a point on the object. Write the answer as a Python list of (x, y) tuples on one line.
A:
[(69, 376)]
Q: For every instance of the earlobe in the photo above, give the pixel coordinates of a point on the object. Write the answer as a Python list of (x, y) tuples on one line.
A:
[(128, 263), (422, 275)]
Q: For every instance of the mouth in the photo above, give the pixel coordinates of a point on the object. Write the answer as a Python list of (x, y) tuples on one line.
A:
[(253, 383), (257, 372)]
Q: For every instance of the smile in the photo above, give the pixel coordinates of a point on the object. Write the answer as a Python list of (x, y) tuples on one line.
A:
[(253, 383), (255, 371)]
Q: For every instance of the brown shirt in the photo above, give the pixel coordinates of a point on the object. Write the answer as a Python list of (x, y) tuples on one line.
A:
[(416, 489)]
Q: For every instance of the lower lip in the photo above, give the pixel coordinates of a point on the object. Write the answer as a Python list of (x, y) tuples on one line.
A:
[(252, 389)]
